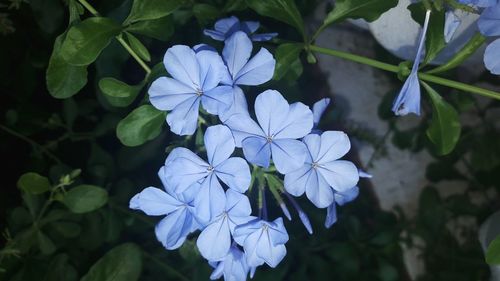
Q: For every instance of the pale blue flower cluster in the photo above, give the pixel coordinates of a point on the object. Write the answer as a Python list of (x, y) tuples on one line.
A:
[(208, 194)]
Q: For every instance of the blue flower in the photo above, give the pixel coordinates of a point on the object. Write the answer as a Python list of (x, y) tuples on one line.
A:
[(322, 173), (479, 3), (195, 79), (188, 170), (262, 241), (281, 125), (319, 108), (489, 21), (492, 57), (214, 241), (178, 208), (451, 24), (224, 28), (340, 198), (408, 99), (233, 267)]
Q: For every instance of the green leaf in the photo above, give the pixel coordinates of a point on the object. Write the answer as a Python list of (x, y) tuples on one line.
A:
[(151, 9), (205, 13), (119, 93), (493, 252), (368, 10), (467, 50), (67, 229), (61, 269), (138, 47), (45, 244), (286, 54), (85, 41), (282, 10), (33, 183), (63, 79), (85, 198), (434, 39), (142, 124), (444, 130), (122, 263), (160, 29)]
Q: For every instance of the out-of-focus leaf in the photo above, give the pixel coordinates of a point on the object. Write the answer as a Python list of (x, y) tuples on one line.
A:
[(286, 55), (33, 183), (138, 47), (282, 10), (160, 29), (142, 124), (119, 93), (493, 252), (152, 9), (85, 198), (368, 10)]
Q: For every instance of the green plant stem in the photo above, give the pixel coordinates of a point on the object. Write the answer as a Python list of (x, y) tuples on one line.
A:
[(165, 266), (395, 69), (125, 45), (32, 143)]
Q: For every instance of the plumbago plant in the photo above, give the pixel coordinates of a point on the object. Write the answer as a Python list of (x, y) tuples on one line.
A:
[(229, 141)]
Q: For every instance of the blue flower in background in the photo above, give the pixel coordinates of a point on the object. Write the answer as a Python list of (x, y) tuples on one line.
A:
[(319, 108), (340, 198), (281, 125), (479, 3), (233, 267), (178, 208), (322, 173), (408, 99), (489, 25), (214, 241), (224, 28), (188, 170), (263, 242), (195, 79), (451, 24)]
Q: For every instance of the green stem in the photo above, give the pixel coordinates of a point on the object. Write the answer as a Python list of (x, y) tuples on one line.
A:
[(32, 143), (125, 45), (395, 69), (165, 266)]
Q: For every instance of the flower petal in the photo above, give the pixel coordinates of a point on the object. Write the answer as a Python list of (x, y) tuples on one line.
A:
[(183, 119), (173, 229), (296, 181), (214, 241), (263, 36), (235, 173), (210, 201), (319, 191), (299, 122), (257, 151), (288, 154), (251, 249), (211, 69), (166, 93), (154, 202), (341, 198), (203, 47), (278, 232), (250, 26), (226, 24), (243, 231), (272, 255), (237, 204), (340, 175), (214, 34), (181, 63), (271, 110), (238, 105), (489, 22), (257, 70), (492, 57), (219, 143), (313, 143), (408, 99), (242, 126), (236, 52), (452, 22), (319, 108), (331, 215), (218, 100), (185, 170), (334, 144)]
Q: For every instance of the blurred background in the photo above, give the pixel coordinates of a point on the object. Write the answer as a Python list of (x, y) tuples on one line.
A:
[(418, 218)]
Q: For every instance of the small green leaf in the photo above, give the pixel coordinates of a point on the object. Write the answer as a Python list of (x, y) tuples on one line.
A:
[(63, 79), (493, 252), (205, 13), (282, 10), (45, 244), (138, 47), (151, 9), (85, 41), (444, 130), (67, 229), (118, 93), (160, 29), (286, 54), (33, 183), (142, 124), (468, 50), (434, 40), (85, 198), (368, 10), (122, 263)]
